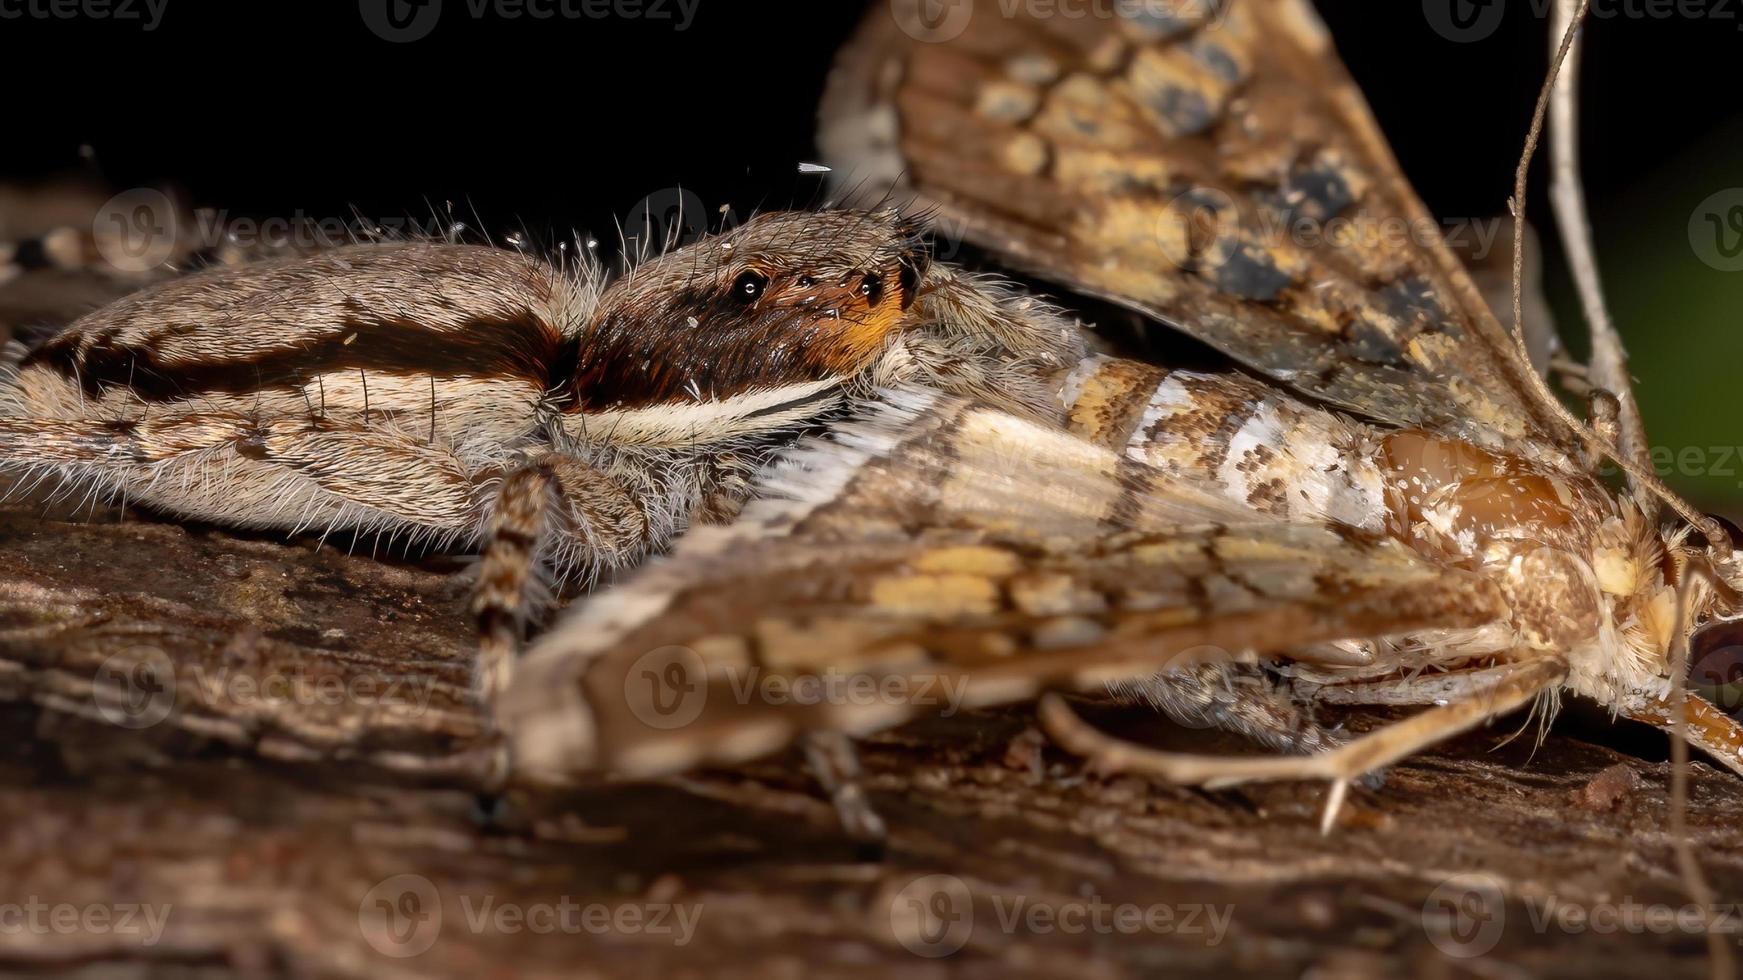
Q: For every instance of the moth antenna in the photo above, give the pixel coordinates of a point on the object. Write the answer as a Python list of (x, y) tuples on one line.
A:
[(1609, 361), (1694, 881), (1718, 541)]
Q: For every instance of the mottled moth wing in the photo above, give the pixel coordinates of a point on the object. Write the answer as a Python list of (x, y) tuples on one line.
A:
[(1214, 168), (945, 555)]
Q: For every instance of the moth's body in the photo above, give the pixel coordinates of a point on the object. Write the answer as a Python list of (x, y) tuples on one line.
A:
[(1577, 562)]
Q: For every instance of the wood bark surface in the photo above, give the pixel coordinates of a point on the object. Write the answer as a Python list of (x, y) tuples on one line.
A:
[(272, 745)]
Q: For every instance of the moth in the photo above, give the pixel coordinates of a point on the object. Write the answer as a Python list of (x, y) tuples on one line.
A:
[(1377, 503), (864, 471)]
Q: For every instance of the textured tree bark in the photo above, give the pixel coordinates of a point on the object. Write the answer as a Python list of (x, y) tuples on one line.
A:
[(233, 755)]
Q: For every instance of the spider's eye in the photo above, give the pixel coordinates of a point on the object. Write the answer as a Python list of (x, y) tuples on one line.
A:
[(806, 282), (1716, 664), (872, 288), (749, 285)]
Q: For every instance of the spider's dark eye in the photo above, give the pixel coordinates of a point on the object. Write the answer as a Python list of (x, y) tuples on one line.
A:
[(872, 288), (749, 285), (1716, 664), (806, 282)]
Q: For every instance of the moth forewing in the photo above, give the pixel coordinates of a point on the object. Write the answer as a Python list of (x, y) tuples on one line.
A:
[(953, 556)]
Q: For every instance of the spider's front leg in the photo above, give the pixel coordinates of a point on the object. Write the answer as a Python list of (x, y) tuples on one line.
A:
[(558, 510)]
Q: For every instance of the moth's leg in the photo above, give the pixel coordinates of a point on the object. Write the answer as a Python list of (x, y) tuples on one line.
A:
[(1235, 698), (1424, 688), (1709, 729), (832, 759), (1518, 684), (599, 523), (1573, 376)]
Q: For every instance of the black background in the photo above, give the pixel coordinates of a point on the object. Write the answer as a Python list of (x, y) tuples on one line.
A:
[(279, 107), (286, 109)]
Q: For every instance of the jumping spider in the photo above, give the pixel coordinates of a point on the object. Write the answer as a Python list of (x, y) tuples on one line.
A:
[(449, 395)]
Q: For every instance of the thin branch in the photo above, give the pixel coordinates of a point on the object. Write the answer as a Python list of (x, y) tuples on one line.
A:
[(1640, 474), (1719, 957), (1609, 361)]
